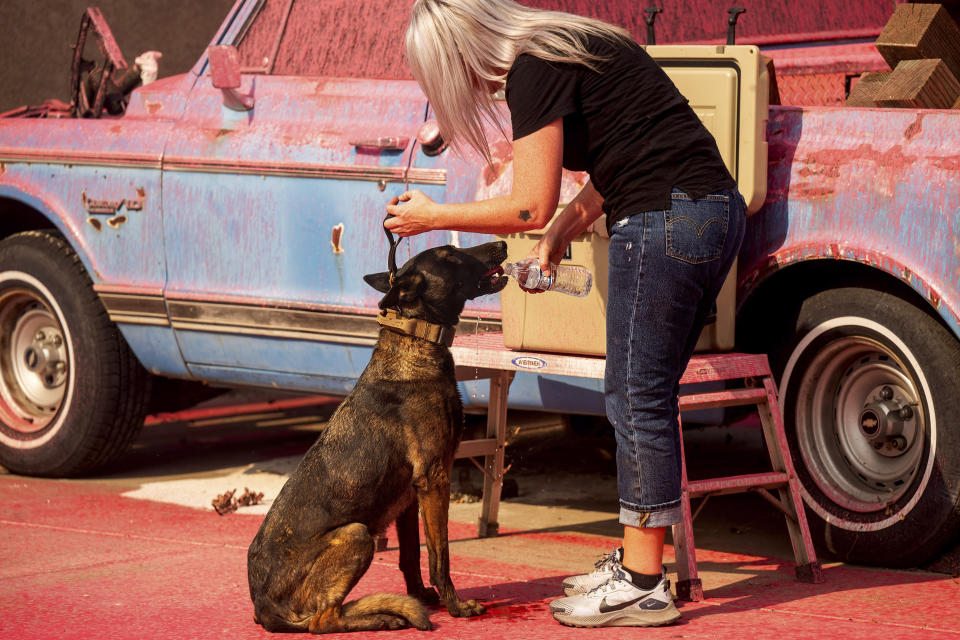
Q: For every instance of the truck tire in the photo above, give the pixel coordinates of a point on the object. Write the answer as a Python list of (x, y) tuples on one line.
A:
[(72, 394), (872, 411)]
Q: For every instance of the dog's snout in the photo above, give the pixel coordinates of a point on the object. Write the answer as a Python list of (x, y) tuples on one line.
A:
[(489, 253)]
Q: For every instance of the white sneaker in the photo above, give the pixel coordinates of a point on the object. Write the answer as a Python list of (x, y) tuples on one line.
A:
[(602, 571), (617, 603)]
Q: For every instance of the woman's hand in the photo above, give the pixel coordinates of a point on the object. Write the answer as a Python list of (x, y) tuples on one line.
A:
[(548, 250), (414, 216)]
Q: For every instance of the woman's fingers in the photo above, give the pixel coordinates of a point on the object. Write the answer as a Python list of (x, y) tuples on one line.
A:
[(544, 257), (410, 213)]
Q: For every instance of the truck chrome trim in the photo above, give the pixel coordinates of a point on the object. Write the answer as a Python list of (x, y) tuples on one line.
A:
[(304, 170), (80, 158), (135, 308), (212, 165), (252, 320)]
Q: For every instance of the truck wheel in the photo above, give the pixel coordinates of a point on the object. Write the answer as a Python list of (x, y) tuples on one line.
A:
[(72, 394), (870, 402)]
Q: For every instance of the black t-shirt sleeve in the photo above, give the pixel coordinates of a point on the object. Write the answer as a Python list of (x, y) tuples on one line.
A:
[(538, 92)]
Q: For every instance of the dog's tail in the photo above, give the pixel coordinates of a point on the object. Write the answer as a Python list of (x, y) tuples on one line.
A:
[(406, 607)]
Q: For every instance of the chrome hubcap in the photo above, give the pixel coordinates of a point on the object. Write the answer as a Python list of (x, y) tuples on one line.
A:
[(860, 425), (33, 361)]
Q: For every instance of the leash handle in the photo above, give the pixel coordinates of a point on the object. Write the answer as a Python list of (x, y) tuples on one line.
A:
[(392, 256)]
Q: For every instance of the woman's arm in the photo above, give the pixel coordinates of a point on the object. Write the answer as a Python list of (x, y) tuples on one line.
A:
[(575, 218), (532, 201)]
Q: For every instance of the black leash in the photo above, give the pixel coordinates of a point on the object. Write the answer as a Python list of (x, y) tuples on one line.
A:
[(392, 256)]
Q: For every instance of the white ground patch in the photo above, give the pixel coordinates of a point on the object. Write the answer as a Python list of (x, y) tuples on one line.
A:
[(266, 477), (270, 476)]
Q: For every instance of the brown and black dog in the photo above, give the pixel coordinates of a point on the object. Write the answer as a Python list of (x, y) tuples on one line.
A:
[(387, 449)]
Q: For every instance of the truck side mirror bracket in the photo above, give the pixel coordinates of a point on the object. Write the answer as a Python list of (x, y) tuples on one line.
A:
[(225, 75)]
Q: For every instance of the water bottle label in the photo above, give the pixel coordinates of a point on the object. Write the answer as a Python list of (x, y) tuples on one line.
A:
[(545, 282)]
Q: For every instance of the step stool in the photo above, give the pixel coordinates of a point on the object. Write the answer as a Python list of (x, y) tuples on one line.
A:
[(759, 389), (484, 356)]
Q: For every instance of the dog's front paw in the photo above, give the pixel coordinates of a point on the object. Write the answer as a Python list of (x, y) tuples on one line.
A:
[(426, 595), (466, 608)]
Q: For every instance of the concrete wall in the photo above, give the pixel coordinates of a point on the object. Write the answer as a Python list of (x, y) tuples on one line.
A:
[(35, 50)]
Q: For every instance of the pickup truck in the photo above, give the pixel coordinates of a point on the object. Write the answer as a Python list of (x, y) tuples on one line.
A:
[(213, 227)]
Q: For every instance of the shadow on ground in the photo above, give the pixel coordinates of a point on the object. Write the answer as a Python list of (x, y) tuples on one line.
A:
[(551, 465)]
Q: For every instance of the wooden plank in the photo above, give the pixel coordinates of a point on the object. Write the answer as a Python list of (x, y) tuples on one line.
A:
[(923, 84), (865, 90), (727, 398), (917, 31), (737, 484), (952, 7), (486, 351), (474, 448), (493, 462), (467, 373)]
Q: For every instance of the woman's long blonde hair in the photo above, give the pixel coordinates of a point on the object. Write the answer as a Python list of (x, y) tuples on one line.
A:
[(457, 48)]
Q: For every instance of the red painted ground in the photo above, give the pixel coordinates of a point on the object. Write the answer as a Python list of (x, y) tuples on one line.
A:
[(77, 560)]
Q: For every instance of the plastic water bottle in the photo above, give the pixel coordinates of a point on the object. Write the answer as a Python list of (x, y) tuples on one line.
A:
[(569, 279)]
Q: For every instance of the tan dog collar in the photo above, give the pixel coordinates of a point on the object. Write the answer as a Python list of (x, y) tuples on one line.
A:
[(438, 333)]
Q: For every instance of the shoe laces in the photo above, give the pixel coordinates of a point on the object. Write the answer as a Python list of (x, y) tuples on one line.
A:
[(610, 584), (606, 561)]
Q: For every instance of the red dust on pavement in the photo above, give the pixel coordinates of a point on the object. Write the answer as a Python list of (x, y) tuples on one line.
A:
[(79, 560)]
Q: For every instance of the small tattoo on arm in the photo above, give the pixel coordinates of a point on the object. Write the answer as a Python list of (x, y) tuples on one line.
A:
[(524, 215)]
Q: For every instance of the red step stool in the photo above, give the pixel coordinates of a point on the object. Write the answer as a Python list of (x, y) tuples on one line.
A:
[(484, 356), (759, 388)]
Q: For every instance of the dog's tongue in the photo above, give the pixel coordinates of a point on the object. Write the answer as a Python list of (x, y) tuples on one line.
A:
[(493, 274)]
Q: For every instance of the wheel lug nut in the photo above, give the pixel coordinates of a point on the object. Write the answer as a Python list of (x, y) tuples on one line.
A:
[(878, 445), (886, 393), (898, 442), (40, 337), (905, 412), (57, 340), (60, 366)]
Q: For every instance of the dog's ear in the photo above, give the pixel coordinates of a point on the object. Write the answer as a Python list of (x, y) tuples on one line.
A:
[(379, 281), (392, 299)]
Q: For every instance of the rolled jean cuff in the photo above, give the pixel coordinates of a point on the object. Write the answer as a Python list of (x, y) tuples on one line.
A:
[(664, 516)]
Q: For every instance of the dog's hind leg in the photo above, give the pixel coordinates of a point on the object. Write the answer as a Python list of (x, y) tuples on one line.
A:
[(434, 507), (348, 551), (408, 536)]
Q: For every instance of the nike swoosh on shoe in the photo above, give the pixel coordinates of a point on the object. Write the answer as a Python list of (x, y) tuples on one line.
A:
[(651, 604)]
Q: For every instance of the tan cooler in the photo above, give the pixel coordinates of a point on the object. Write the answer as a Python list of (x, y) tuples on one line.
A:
[(727, 86)]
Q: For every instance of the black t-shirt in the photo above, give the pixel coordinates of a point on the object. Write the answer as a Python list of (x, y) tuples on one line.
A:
[(626, 124)]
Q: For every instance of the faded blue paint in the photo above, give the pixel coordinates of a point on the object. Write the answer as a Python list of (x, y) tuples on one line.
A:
[(320, 360), (231, 376), (874, 186), (879, 187), (266, 239), (156, 348)]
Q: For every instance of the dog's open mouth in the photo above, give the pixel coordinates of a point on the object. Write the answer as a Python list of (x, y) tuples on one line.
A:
[(493, 280)]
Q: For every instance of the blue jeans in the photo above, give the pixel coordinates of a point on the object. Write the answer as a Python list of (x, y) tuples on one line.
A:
[(666, 269)]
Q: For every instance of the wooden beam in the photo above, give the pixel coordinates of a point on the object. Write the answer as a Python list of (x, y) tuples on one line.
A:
[(865, 90), (917, 31), (923, 84), (952, 7)]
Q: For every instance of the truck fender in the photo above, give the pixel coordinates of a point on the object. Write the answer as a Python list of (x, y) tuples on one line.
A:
[(54, 211), (750, 280)]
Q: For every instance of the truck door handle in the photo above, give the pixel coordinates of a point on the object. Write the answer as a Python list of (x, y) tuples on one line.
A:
[(391, 143)]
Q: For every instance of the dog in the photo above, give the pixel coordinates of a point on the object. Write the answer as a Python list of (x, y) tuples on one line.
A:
[(386, 451)]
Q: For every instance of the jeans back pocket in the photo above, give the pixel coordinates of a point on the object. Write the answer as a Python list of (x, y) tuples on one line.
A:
[(696, 229)]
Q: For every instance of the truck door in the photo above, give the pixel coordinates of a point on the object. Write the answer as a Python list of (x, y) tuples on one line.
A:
[(273, 213)]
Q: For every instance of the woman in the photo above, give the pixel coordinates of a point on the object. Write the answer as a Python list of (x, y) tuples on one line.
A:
[(582, 95)]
